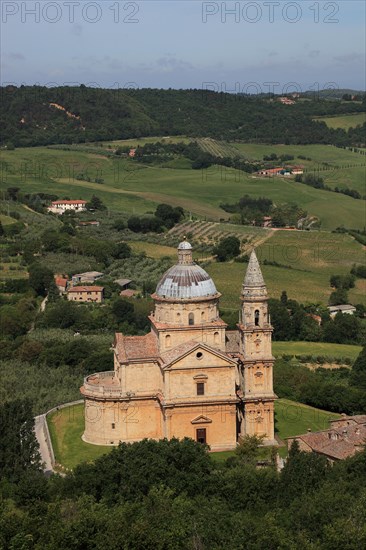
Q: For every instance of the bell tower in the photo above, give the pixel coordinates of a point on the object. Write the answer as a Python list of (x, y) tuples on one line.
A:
[(256, 365)]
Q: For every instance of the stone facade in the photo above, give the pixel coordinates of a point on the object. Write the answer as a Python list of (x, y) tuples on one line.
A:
[(190, 376), (85, 294)]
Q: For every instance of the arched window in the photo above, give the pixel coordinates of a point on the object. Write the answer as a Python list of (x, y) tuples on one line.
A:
[(203, 316), (167, 341), (256, 317), (191, 319), (216, 338), (178, 317)]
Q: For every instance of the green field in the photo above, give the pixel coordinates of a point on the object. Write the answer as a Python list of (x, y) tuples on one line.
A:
[(134, 142), (67, 425), (315, 348), (136, 188), (6, 220), (345, 121), (313, 256), (152, 250), (343, 168)]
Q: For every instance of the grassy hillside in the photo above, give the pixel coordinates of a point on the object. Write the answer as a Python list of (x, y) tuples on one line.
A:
[(293, 418), (132, 187), (313, 257), (315, 348), (345, 121)]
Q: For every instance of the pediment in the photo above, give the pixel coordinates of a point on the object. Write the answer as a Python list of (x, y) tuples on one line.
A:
[(201, 420), (199, 356)]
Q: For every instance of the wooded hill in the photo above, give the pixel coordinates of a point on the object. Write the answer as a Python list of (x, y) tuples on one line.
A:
[(35, 115)]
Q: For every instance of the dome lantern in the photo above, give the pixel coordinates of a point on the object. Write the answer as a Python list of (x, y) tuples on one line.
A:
[(185, 253)]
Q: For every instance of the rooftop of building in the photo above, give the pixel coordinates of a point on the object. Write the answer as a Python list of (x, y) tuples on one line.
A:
[(86, 289), (337, 442), (79, 201), (186, 280)]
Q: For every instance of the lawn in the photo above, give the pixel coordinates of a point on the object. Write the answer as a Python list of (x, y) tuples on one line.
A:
[(293, 418), (135, 188), (315, 348), (66, 428)]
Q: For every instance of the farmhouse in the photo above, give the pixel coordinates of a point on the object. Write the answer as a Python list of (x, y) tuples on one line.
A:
[(345, 437), (343, 308), (286, 101), (61, 283), (190, 376), (297, 170), (87, 277), (271, 172), (59, 207), (85, 294)]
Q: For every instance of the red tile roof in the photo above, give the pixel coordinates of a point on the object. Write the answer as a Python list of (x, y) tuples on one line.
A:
[(61, 281), (128, 293), (86, 289), (337, 443), (136, 347)]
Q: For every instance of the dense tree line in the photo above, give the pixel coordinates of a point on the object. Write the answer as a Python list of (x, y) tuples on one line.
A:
[(294, 321), (341, 390), (171, 495), (165, 217), (250, 211), (28, 117)]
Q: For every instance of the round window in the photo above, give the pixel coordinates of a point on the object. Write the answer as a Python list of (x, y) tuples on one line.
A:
[(199, 355)]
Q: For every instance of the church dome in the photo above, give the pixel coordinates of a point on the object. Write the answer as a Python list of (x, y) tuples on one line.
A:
[(186, 279)]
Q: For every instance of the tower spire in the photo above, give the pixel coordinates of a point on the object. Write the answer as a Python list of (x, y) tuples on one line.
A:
[(254, 285)]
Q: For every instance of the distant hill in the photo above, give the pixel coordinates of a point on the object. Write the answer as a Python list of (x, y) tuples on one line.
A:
[(35, 115), (334, 94)]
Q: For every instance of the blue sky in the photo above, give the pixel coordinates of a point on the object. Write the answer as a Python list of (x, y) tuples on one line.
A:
[(184, 44)]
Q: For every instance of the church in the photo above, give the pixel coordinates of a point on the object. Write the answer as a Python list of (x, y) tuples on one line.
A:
[(189, 376)]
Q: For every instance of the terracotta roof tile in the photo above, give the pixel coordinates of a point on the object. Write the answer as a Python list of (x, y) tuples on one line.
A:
[(136, 347), (178, 351), (232, 339), (86, 289), (61, 281), (338, 443)]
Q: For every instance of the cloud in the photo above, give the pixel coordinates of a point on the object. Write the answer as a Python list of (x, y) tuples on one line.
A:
[(354, 57), (15, 56), (314, 53), (168, 64), (272, 53)]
